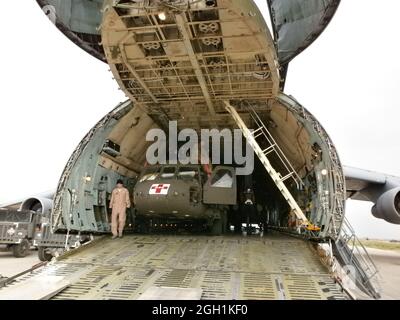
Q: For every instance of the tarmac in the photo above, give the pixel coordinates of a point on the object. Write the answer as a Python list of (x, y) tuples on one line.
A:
[(388, 264), (9, 265)]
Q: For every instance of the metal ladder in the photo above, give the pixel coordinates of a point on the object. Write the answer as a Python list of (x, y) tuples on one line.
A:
[(351, 252), (263, 154)]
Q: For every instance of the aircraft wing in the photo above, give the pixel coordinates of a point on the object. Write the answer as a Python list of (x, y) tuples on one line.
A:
[(368, 185), (381, 189), (359, 180)]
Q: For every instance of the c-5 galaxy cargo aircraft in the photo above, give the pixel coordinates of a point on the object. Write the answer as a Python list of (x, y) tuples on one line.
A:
[(212, 64)]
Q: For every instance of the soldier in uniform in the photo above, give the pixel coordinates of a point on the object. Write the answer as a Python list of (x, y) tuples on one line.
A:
[(120, 201), (249, 208)]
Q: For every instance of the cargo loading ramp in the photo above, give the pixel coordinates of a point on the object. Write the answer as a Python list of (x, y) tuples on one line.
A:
[(227, 268)]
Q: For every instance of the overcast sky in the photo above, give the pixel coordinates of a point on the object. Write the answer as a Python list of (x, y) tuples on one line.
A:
[(52, 93)]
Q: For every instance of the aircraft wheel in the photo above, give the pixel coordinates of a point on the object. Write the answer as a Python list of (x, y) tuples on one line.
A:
[(21, 250), (43, 255)]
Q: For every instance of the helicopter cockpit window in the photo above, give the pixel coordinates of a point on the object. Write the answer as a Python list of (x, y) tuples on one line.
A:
[(168, 172), (188, 173), (222, 179), (150, 174)]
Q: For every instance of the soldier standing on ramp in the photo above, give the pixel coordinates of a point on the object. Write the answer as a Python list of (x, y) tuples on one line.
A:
[(119, 203)]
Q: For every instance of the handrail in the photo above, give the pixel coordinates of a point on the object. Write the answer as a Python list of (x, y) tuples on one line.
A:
[(353, 252)]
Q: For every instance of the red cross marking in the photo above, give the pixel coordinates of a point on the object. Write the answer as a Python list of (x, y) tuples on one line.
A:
[(159, 188)]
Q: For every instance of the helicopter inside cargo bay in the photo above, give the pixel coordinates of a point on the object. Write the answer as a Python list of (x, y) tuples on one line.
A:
[(191, 197), (204, 65), (182, 198)]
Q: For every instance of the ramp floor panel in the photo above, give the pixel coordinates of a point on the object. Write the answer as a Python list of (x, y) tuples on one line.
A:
[(226, 267)]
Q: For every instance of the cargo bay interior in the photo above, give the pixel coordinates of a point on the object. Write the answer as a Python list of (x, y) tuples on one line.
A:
[(185, 66), (116, 148)]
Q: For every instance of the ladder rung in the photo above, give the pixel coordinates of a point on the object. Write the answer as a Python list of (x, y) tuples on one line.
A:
[(255, 131), (269, 149), (287, 176)]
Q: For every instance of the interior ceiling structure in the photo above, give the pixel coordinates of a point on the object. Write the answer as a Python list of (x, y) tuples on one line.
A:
[(184, 66), (296, 24)]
